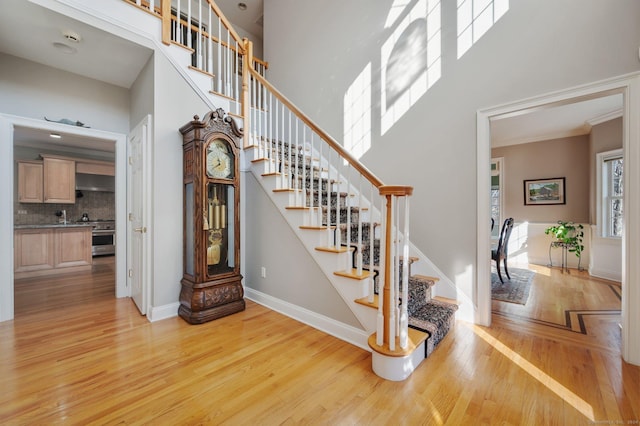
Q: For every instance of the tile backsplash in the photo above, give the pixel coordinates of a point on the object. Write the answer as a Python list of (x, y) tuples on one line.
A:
[(98, 205)]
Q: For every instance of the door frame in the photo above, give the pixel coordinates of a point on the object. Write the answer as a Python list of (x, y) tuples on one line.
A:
[(629, 86), (8, 175), (147, 151)]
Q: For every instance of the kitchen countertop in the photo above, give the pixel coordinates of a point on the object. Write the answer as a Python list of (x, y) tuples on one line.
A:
[(54, 225)]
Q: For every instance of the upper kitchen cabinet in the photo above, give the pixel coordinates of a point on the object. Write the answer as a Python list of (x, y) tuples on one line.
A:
[(59, 179), (30, 187)]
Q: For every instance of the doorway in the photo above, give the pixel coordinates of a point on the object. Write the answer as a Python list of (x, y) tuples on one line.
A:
[(8, 126), (627, 86)]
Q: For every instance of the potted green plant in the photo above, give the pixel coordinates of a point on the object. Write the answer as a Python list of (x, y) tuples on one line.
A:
[(568, 233)]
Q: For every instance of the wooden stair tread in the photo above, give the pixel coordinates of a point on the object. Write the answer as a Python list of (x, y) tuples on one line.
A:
[(285, 190), (316, 228), (271, 174), (259, 160), (353, 274), (447, 300), (334, 249), (365, 301), (426, 277), (416, 337), (299, 208)]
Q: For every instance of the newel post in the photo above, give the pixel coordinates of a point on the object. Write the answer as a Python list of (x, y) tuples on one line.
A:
[(246, 75), (391, 192), (165, 8)]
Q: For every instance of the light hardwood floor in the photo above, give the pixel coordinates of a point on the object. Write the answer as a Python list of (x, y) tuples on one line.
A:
[(76, 355)]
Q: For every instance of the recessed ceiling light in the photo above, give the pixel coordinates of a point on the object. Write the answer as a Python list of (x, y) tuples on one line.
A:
[(55, 135), (242, 6), (64, 48)]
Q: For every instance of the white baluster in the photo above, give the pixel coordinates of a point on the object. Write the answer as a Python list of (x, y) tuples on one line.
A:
[(297, 170), (209, 46), (304, 168), (330, 237), (228, 68), (404, 316), (179, 38), (381, 278), (189, 24), (318, 213), (199, 42), (219, 62), (359, 253), (285, 166), (392, 281), (275, 140), (348, 203), (152, 5), (371, 243), (312, 179), (291, 170)]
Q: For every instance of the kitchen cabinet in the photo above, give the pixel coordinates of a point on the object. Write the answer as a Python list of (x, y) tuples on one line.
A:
[(95, 167), (33, 250), (59, 180), (30, 186), (44, 250), (72, 246)]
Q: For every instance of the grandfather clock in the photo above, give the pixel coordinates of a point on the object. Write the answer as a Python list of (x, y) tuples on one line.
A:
[(211, 282)]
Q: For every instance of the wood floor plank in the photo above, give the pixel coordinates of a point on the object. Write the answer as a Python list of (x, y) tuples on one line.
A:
[(76, 355)]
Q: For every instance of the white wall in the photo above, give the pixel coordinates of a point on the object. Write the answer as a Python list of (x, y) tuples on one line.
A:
[(175, 104), (36, 91), (535, 48), (291, 273)]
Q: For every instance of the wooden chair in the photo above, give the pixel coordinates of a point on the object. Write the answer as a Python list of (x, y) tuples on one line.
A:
[(500, 253)]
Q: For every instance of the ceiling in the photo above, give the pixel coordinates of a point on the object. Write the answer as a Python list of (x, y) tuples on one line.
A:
[(44, 28), (554, 121)]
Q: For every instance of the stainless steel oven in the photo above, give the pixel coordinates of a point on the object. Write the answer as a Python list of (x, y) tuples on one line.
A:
[(103, 238)]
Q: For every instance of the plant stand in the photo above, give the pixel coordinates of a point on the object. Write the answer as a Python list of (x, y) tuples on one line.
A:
[(565, 249)]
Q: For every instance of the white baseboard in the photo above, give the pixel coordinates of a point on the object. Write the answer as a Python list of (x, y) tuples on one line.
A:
[(328, 325), (604, 274), (163, 312)]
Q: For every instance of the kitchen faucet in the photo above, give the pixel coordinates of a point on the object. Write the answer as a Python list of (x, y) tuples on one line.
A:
[(62, 213)]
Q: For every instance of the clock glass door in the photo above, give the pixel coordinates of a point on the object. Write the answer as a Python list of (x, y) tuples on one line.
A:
[(219, 227)]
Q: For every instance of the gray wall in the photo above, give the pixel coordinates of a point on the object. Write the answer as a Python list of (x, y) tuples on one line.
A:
[(37, 91), (317, 49), (291, 273), (566, 157), (175, 104), (604, 137)]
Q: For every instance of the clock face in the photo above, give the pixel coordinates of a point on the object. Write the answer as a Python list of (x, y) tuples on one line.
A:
[(219, 160)]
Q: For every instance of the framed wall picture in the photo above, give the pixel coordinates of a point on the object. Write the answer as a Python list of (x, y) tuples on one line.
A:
[(544, 191)]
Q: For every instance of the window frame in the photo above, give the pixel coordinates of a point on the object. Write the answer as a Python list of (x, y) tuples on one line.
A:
[(603, 198)]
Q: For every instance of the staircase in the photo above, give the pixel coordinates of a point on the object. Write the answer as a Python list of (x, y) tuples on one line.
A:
[(355, 227), (326, 206)]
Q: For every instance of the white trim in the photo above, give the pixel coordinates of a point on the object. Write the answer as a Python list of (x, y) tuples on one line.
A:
[(604, 118), (146, 130), (356, 337), (163, 312), (601, 217), (629, 86), (7, 123)]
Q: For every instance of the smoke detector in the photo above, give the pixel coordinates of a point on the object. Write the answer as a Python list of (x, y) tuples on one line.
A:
[(71, 36)]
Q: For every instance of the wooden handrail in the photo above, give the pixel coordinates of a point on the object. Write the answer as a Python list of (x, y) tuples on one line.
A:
[(375, 181), (225, 21), (397, 190)]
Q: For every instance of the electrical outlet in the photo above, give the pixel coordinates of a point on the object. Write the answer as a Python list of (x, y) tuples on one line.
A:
[(263, 272)]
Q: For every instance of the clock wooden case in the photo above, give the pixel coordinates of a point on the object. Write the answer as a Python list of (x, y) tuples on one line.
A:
[(211, 286)]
